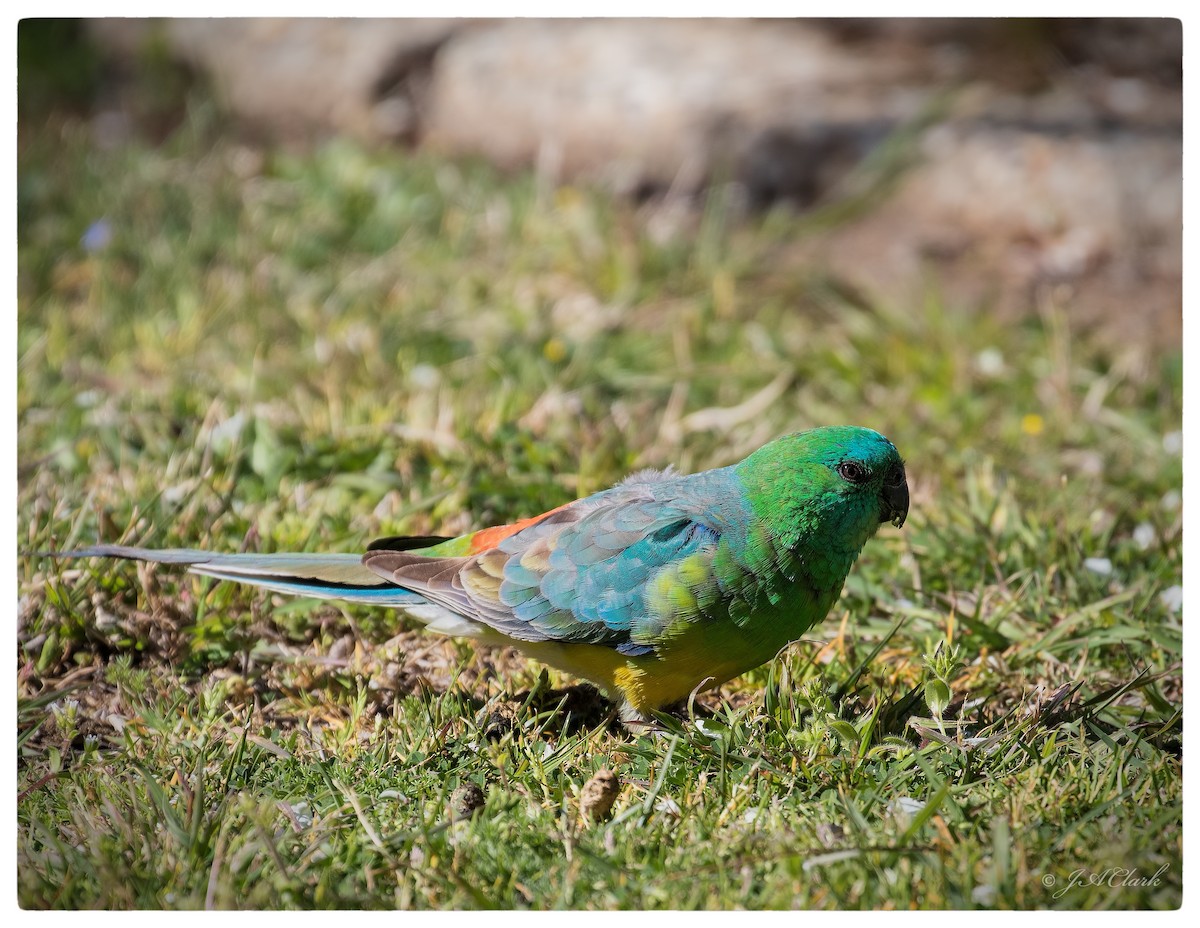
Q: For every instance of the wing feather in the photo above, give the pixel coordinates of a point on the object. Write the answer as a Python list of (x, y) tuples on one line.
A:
[(613, 569)]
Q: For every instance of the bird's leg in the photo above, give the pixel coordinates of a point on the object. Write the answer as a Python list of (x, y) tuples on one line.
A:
[(634, 721)]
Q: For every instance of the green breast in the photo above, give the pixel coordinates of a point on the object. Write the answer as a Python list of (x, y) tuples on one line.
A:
[(747, 627)]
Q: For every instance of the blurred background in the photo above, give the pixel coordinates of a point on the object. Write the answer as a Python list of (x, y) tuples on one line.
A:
[(682, 237), (1037, 151), (294, 284), (1040, 151)]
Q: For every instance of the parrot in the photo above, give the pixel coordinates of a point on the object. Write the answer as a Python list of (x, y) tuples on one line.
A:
[(658, 587)]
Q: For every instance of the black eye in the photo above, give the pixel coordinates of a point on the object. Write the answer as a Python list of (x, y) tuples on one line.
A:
[(852, 471)]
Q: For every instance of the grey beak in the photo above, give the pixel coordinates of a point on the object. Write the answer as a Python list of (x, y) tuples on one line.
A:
[(893, 504)]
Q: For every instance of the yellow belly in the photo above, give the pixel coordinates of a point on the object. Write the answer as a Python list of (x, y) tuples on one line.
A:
[(682, 665)]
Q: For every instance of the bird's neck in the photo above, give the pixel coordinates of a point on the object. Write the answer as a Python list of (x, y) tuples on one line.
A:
[(824, 564)]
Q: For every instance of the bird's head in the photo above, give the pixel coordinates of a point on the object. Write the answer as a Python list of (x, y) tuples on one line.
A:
[(839, 483)]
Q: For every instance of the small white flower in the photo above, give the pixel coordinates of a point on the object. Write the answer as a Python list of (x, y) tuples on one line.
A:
[(302, 812), (990, 362), (424, 377), (1172, 443), (1172, 598), (1143, 536), (176, 494), (750, 816), (1099, 565), (710, 729), (667, 806), (905, 805), (983, 894), (225, 433), (1171, 501)]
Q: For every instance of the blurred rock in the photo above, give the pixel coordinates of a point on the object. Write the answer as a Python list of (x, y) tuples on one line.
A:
[(645, 104), (298, 76), (1027, 53), (1041, 158), (1004, 214)]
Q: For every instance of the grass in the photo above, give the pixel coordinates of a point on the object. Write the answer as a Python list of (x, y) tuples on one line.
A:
[(234, 347)]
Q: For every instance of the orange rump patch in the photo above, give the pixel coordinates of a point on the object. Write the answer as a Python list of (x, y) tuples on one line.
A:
[(487, 538)]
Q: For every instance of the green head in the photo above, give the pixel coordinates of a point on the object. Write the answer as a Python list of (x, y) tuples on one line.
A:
[(827, 489)]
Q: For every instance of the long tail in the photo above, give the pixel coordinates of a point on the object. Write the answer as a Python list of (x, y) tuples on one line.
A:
[(321, 576)]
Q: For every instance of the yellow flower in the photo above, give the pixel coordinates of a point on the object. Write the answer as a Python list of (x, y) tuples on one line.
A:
[(554, 350), (1032, 424)]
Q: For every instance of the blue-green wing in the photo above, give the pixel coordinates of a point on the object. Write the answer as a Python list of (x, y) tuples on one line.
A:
[(615, 569)]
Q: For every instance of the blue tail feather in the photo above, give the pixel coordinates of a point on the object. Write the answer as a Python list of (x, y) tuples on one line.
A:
[(320, 576)]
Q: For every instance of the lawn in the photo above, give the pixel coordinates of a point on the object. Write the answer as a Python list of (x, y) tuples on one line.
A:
[(244, 347)]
